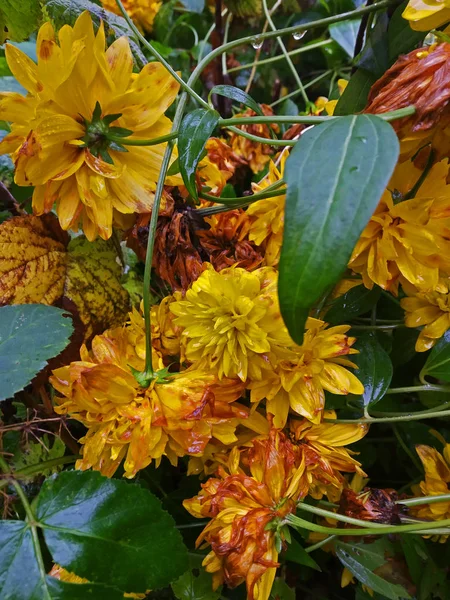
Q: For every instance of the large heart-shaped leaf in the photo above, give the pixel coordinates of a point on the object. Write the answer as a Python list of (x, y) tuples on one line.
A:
[(335, 177), (30, 334)]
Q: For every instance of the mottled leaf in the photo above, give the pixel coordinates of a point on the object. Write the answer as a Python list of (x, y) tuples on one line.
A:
[(18, 18), (30, 334), (33, 260)]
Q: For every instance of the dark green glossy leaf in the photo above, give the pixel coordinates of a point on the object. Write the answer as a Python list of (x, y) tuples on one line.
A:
[(374, 58), (195, 587), (109, 531), (344, 33), (30, 334), (401, 38), (357, 301), (297, 554), (438, 361), (362, 560), (281, 591), (195, 131), (19, 573), (354, 98), (374, 369), (230, 91), (335, 177), (61, 590)]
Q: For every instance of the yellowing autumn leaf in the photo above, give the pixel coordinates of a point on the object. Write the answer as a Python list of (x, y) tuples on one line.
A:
[(93, 284), (33, 260)]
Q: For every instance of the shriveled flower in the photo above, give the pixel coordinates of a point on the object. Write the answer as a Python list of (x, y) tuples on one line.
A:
[(66, 133), (255, 154), (436, 482), (407, 241), (267, 215), (226, 241), (241, 506), (430, 310), (176, 415), (420, 78), (229, 319), (217, 167), (60, 573), (143, 12), (424, 15), (299, 375), (371, 504)]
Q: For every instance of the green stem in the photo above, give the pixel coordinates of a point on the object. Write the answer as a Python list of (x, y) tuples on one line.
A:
[(261, 140), (220, 208), (417, 416), (186, 87), (286, 55), (328, 514), (425, 500), (39, 467), (306, 86), (320, 544), (248, 199), (272, 59), (32, 524), (419, 388), (375, 327), (138, 142)]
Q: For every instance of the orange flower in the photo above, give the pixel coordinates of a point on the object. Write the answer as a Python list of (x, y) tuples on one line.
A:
[(217, 167), (436, 482)]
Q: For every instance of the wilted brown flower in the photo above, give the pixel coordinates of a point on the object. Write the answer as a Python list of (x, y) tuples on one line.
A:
[(372, 504), (420, 78)]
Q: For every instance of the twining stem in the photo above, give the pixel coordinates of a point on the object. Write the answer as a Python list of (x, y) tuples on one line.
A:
[(138, 142), (307, 85), (220, 208), (248, 199), (321, 512), (425, 500), (39, 467), (320, 544), (272, 59), (417, 416), (286, 55), (261, 140), (419, 388), (32, 524)]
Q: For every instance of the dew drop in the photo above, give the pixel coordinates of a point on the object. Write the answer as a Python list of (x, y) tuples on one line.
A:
[(363, 139), (298, 35), (257, 43)]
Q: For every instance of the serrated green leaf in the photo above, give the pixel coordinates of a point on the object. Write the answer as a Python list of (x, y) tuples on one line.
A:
[(354, 98), (345, 33), (438, 361), (192, 587), (357, 301), (109, 531), (18, 18), (195, 130), (374, 369), (335, 177), (235, 93), (30, 334), (362, 560)]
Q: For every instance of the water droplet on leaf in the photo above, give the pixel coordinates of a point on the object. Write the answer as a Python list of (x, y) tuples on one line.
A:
[(298, 35), (257, 43)]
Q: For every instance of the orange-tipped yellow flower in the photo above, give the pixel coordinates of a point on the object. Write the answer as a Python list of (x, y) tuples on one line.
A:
[(430, 310), (267, 216), (217, 167), (407, 241), (79, 95), (143, 12), (424, 15), (176, 415), (229, 319), (300, 374), (436, 482)]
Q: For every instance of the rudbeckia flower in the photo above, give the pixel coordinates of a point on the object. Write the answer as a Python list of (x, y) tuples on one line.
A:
[(407, 240), (177, 415), (267, 216), (217, 167), (430, 310), (424, 15), (143, 12), (66, 133), (436, 482), (299, 375), (228, 320)]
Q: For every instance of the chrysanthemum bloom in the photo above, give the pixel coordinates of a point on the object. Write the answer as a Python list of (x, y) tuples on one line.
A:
[(430, 310), (59, 573), (420, 78), (255, 154), (217, 167), (424, 15), (407, 241), (174, 416), (66, 133), (229, 319), (267, 216), (299, 375), (143, 12), (241, 506), (437, 478), (226, 241)]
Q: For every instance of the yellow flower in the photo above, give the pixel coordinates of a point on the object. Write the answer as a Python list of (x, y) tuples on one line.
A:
[(424, 15), (430, 310), (217, 167), (228, 320), (437, 478), (77, 95), (267, 216), (407, 241), (143, 12), (330, 106), (299, 375), (176, 415)]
